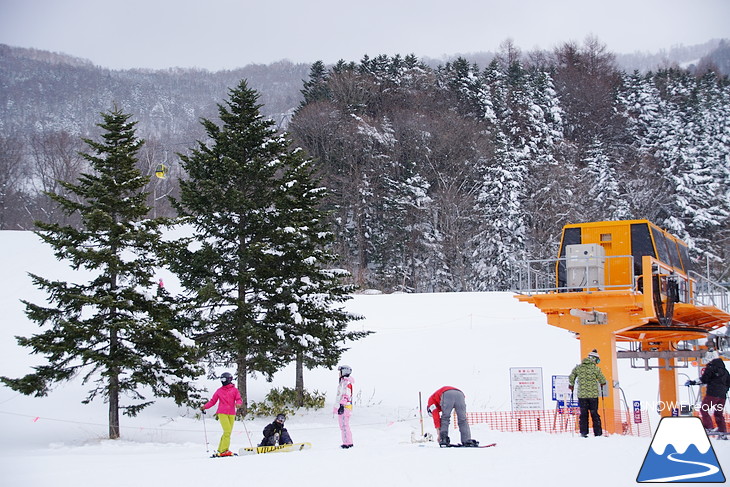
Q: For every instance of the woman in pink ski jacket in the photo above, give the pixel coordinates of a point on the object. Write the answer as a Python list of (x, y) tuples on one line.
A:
[(228, 399), (343, 407)]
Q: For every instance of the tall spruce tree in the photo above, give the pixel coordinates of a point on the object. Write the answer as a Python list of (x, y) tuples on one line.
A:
[(310, 321), (248, 199), (315, 88), (697, 207), (118, 328)]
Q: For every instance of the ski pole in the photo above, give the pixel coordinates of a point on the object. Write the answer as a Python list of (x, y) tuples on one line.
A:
[(603, 403), (205, 432), (570, 409), (243, 420)]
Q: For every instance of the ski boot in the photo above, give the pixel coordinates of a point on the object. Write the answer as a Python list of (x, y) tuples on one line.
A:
[(227, 453), (444, 440), (471, 443)]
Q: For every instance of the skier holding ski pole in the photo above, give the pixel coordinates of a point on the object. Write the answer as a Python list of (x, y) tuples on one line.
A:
[(717, 379), (588, 376), (228, 399)]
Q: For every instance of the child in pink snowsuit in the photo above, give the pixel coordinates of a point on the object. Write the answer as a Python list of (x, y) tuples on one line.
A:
[(343, 407)]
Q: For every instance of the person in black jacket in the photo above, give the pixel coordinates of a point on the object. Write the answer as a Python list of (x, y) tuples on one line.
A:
[(717, 379), (275, 433)]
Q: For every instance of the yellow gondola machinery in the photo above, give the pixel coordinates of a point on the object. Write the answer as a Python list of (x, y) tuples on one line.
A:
[(629, 281)]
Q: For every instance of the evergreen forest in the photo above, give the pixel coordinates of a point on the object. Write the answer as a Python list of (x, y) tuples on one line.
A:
[(439, 178), (447, 179), (256, 291)]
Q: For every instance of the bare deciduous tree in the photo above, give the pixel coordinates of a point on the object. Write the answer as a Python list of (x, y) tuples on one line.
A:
[(12, 174), (55, 158)]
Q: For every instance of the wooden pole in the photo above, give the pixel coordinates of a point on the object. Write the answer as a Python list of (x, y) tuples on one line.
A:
[(420, 413)]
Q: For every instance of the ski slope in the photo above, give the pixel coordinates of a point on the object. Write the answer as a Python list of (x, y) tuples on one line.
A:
[(422, 342)]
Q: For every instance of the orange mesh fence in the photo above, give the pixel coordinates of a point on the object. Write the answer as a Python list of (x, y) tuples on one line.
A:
[(556, 421)]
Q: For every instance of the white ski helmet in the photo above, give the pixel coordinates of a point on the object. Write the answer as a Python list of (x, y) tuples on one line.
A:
[(345, 370)]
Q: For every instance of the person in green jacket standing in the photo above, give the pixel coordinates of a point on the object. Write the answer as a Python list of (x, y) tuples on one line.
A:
[(590, 379)]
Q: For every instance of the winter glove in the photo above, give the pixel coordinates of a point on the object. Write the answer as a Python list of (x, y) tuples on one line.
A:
[(202, 409), (570, 387), (341, 409), (431, 409), (691, 383)]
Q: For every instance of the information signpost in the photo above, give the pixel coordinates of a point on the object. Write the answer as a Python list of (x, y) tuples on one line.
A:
[(527, 390)]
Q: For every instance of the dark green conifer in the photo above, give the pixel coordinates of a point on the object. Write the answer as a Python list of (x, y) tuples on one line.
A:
[(117, 328), (309, 290), (315, 88), (252, 225)]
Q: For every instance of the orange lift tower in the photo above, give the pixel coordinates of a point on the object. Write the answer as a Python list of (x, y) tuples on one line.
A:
[(629, 281)]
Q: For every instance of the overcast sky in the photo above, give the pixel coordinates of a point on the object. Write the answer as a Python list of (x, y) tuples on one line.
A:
[(225, 34)]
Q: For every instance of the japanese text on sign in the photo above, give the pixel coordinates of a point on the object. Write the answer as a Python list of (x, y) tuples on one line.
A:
[(637, 412), (526, 385)]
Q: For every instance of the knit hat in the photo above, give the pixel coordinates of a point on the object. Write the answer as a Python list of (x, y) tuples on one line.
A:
[(594, 355)]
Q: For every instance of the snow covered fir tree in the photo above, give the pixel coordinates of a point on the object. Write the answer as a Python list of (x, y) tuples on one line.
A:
[(446, 179), (443, 178), (116, 327), (256, 269)]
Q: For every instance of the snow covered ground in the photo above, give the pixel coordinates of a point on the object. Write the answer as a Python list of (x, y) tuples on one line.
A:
[(422, 342)]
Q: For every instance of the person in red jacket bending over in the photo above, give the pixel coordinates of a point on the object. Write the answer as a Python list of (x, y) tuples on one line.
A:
[(440, 405)]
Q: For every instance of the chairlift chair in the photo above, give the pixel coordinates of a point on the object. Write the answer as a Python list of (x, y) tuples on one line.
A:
[(161, 171)]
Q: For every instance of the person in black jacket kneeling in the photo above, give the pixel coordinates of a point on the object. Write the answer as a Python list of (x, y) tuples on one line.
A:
[(275, 433)]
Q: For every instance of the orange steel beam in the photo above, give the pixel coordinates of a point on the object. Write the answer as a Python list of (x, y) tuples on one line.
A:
[(667, 383), (627, 312), (630, 315), (624, 310)]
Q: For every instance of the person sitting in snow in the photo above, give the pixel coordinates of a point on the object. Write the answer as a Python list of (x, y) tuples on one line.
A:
[(275, 433)]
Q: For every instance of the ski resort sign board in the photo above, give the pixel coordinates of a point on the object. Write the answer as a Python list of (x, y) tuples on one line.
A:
[(562, 394), (526, 386)]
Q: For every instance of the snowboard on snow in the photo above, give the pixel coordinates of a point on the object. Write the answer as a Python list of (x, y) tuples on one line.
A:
[(273, 449), (459, 445)]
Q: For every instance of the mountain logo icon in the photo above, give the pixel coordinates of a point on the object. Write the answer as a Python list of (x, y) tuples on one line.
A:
[(680, 452)]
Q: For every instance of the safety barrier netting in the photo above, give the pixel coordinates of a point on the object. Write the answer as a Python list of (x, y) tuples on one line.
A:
[(563, 420)]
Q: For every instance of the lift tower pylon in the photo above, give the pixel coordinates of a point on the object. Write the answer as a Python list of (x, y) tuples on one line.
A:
[(627, 281)]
